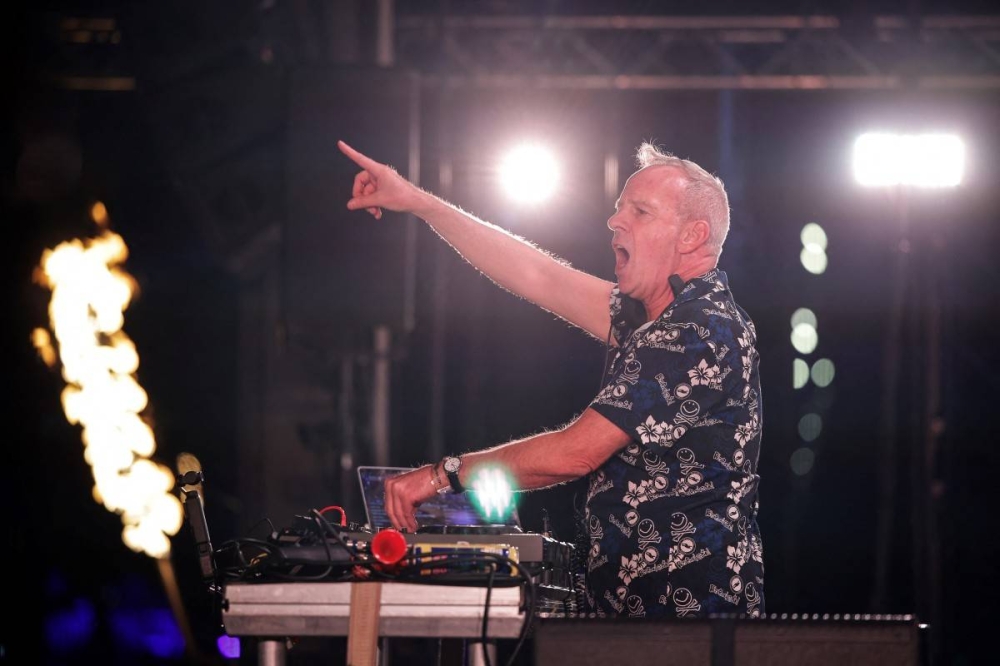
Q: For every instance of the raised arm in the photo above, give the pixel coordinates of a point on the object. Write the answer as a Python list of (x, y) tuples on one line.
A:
[(510, 261)]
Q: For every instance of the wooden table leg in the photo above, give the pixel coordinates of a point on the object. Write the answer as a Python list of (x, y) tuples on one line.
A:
[(363, 626)]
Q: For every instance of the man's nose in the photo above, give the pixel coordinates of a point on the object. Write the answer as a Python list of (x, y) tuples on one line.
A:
[(615, 221)]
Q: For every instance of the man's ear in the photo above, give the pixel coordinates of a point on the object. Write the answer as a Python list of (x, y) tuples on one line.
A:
[(694, 235)]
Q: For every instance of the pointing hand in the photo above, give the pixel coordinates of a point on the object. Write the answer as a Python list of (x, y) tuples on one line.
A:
[(378, 186)]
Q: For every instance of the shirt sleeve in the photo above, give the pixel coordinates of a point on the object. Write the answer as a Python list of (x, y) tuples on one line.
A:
[(669, 380)]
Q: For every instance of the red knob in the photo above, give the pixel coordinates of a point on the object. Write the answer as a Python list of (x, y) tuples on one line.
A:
[(389, 546)]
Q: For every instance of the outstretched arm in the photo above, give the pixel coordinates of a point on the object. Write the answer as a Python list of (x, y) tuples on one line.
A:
[(508, 260), (534, 462)]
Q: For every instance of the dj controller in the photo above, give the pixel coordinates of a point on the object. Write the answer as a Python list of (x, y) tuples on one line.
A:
[(314, 549)]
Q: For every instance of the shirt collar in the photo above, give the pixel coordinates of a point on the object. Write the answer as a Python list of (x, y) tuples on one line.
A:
[(712, 282)]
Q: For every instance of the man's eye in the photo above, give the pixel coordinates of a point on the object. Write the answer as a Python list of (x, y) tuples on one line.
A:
[(641, 211)]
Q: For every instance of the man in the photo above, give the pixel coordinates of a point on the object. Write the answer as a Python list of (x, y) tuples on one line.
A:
[(671, 442)]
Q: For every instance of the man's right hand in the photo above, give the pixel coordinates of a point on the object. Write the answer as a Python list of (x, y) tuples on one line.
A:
[(379, 186), (510, 261)]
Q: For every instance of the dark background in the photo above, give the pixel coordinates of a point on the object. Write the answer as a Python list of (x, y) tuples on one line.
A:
[(218, 171)]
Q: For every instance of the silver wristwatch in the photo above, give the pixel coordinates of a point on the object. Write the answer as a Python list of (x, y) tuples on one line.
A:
[(452, 465)]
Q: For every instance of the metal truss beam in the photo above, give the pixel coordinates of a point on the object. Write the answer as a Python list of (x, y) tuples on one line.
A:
[(703, 52)]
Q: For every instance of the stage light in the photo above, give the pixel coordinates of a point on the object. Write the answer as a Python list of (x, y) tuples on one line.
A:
[(802, 461), (228, 646), (813, 259), (810, 426), (804, 316), (529, 174), (822, 372), (920, 160), (813, 254), (813, 234), (800, 373), (492, 493), (804, 338)]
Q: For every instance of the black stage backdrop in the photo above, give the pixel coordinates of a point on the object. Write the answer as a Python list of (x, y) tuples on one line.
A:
[(202, 326)]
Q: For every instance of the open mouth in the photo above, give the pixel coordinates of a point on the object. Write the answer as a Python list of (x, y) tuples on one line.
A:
[(621, 257)]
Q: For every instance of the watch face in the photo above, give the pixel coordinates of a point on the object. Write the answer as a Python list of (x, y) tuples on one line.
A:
[(452, 464)]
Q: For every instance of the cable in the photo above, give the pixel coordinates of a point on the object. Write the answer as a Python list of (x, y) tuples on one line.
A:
[(334, 507), (322, 522), (263, 520), (607, 358), (321, 525), (528, 586), (486, 615), (529, 613)]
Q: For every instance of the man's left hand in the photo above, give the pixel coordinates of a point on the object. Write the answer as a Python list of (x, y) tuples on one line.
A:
[(405, 492)]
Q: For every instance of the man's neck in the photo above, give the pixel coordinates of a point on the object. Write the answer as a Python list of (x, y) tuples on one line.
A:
[(686, 273)]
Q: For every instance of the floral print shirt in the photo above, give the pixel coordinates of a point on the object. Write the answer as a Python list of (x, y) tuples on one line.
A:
[(672, 518)]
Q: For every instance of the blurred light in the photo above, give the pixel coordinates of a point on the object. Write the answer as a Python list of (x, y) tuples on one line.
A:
[(810, 426), (804, 316), (492, 493), (152, 631), (921, 160), (70, 628), (822, 372), (813, 234), (90, 292), (99, 214), (529, 174), (804, 338), (802, 461), (821, 400), (800, 373), (229, 646), (813, 259)]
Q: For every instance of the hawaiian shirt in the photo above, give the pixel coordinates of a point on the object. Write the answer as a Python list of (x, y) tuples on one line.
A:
[(672, 518)]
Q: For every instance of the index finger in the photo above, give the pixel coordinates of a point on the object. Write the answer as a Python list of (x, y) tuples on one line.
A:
[(360, 159)]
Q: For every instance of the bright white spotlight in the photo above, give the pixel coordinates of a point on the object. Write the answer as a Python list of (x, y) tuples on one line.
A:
[(529, 174), (813, 234), (813, 259), (804, 338), (921, 160), (813, 255), (804, 316)]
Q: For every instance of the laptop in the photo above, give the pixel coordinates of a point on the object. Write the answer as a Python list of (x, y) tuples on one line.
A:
[(449, 512)]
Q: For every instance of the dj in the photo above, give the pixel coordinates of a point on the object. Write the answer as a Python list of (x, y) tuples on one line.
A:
[(671, 442)]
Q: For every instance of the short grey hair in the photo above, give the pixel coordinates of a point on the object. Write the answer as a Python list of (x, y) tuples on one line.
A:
[(704, 195)]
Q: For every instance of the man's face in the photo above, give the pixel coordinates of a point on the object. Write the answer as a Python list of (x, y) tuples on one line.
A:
[(646, 227)]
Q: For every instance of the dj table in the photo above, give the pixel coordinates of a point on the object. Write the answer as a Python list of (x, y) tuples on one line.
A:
[(275, 612)]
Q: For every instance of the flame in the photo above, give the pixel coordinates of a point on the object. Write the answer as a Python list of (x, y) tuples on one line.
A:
[(42, 341), (90, 293)]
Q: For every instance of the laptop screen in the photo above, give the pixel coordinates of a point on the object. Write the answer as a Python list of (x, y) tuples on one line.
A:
[(446, 509)]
